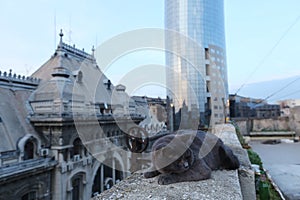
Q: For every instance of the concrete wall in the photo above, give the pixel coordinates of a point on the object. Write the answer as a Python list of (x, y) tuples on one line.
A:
[(279, 124), (256, 125), (287, 123), (295, 119)]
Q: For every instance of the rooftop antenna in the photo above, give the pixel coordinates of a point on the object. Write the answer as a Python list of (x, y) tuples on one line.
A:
[(61, 36), (93, 51), (54, 29), (27, 69), (96, 40), (70, 30)]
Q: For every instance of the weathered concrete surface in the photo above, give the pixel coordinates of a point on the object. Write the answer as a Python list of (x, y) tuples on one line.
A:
[(282, 161), (281, 123), (223, 185), (246, 175), (290, 123), (272, 133)]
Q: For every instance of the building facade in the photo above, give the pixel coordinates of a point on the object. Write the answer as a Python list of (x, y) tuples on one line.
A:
[(245, 107), (63, 129), (154, 110), (287, 105), (196, 61)]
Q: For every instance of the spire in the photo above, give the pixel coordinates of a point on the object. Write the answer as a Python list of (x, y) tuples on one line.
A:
[(93, 51), (61, 36)]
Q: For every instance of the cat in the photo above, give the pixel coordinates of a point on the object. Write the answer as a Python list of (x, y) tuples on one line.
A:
[(189, 155)]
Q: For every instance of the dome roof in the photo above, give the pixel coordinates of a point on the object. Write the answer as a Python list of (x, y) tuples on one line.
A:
[(59, 87)]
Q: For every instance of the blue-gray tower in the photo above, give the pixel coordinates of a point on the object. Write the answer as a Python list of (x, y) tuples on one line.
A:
[(197, 76)]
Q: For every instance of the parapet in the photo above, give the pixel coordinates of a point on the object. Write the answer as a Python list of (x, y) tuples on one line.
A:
[(224, 184), (8, 79)]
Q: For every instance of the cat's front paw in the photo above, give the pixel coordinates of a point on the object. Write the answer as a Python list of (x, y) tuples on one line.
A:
[(149, 174), (165, 179)]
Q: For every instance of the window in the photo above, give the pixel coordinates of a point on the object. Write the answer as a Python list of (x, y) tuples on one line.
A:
[(77, 147), (207, 69), (206, 53), (28, 150), (76, 185), (29, 196), (96, 189), (108, 134)]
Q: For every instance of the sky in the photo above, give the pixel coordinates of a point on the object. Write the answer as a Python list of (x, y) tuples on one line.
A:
[(262, 37)]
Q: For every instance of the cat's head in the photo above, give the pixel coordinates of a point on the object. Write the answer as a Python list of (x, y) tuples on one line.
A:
[(171, 155), (179, 165)]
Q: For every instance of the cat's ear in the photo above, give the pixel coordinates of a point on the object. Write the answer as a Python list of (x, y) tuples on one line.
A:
[(188, 153)]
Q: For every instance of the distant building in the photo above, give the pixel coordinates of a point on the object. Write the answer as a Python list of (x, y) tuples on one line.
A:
[(154, 111), (267, 111), (57, 125), (158, 108), (25, 165), (287, 105), (241, 107), (197, 69), (245, 107)]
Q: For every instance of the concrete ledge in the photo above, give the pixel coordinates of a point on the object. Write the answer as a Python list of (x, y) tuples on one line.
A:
[(273, 133), (222, 185), (233, 184), (246, 175)]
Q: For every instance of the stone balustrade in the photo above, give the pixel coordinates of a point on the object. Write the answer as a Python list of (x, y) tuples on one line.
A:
[(80, 53), (10, 75), (10, 79)]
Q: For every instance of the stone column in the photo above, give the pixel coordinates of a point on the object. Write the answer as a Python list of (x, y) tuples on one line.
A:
[(102, 177), (113, 171)]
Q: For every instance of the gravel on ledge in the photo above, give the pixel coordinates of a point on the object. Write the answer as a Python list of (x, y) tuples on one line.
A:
[(222, 185)]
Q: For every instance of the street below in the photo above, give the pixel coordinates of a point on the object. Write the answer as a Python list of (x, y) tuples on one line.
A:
[(282, 161)]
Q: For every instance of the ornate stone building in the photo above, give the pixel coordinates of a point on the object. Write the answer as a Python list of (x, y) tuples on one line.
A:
[(63, 129), (154, 110)]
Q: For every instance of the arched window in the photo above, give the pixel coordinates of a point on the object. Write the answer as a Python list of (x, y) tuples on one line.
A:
[(77, 188), (118, 172), (29, 196), (77, 145), (98, 179), (106, 176), (77, 148), (29, 150)]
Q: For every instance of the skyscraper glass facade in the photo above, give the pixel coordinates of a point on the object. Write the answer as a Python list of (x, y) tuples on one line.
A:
[(197, 72)]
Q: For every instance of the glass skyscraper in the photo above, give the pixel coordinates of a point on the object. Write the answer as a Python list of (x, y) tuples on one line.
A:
[(196, 58)]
